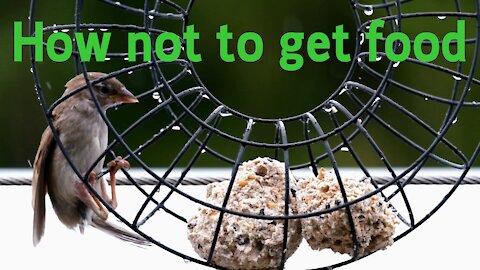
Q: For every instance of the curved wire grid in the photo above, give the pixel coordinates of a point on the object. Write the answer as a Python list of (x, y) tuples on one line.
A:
[(334, 124)]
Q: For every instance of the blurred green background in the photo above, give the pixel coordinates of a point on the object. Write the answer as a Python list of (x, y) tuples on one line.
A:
[(260, 89)]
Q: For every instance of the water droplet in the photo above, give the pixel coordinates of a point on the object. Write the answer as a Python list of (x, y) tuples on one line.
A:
[(156, 95), (368, 10), (189, 71), (118, 3), (31, 70), (65, 30), (426, 99), (226, 114), (103, 29), (359, 59), (344, 149), (455, 120), (205, 96), (362, 38), (139, 153), (377, 99), (203, 151), (396, 22), (457, 78), (379, 57), (107, 59), (396, 64), (115, 108), (29, 163), (359, 121), (176, 128), (186, 260), (91, 29), (151, 17), (343, 91), (130, 72), (474, 102), (125, 58), (331, 109), (28, 18), (442, 17)]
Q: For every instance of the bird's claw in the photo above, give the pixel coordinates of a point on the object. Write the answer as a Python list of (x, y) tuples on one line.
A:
[(117, 164)]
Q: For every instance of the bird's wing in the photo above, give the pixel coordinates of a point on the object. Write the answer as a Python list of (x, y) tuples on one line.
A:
[(39, 183)]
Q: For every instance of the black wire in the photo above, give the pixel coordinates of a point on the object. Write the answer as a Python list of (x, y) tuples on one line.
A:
[(358, 117)]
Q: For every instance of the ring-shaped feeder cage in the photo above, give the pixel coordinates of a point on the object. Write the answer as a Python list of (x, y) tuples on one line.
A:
[(345, 123)]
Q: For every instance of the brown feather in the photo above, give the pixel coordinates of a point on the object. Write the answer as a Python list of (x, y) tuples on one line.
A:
[(118, 232), (39, 183)]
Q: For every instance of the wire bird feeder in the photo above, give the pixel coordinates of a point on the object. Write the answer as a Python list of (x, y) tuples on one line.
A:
[(345, 124)]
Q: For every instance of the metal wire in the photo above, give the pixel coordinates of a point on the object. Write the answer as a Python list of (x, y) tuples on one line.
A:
[(22, 177), (334, 126)]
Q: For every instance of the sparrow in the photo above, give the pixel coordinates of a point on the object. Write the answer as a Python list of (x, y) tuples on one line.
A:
[(84, 136)]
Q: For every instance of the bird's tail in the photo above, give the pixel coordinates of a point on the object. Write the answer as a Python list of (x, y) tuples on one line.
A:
[(119, 232)]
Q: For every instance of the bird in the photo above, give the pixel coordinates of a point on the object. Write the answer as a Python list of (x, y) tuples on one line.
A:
[(84, 135)]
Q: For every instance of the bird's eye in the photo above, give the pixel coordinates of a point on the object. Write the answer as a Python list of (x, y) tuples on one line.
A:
[(104, 90)]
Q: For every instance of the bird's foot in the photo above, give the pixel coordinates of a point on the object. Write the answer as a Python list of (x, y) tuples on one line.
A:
[(90, 200), (105, 196), (115, 165)]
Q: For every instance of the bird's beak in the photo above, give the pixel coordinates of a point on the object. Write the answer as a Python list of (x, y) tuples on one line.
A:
[(126, 97)]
